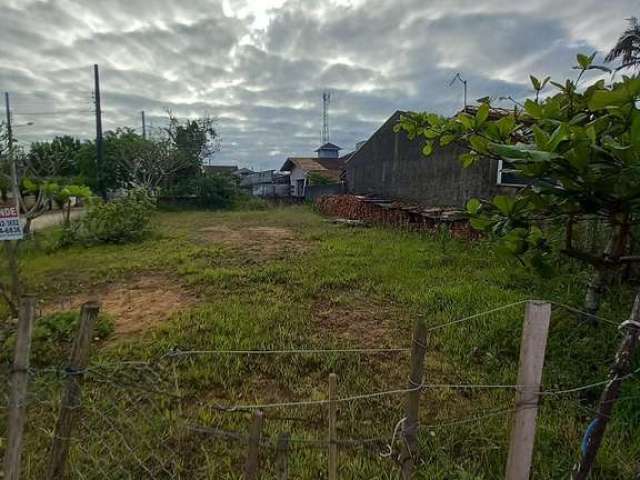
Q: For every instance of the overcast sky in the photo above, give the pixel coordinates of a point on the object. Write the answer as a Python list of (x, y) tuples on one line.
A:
[(260, 66)]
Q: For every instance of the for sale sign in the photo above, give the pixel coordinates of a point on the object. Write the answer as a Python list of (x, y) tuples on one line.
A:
[(10, 226)]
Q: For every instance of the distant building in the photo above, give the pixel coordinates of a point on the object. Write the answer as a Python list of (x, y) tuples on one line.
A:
[(391, 166), (220, 169), (266, 184), (328, 165), (242, 172)]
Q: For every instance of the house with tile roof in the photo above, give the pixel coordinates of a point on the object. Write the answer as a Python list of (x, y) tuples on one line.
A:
[(328, 164)]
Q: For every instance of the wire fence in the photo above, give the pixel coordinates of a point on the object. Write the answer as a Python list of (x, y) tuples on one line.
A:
[(174, 417)]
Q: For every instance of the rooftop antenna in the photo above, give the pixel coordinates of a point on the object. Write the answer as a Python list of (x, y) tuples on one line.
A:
[(326, 101), (464, 83)]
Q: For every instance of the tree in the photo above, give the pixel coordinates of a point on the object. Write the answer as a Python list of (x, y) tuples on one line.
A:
[(151, 163), (196, 141), (35, 174), (55, 158), (579, 151), (627, 48)]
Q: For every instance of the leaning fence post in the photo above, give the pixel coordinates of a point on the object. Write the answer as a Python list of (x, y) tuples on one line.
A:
[(255, 435), (333, 434), (71, 397), (618, 372), (282, 460), (18, 392), (532, 351), (409, 446)]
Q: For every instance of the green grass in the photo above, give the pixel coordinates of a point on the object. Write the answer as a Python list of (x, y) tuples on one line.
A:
[(332, 287)]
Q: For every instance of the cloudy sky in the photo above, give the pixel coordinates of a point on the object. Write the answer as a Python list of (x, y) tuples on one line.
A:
[(260, 66)]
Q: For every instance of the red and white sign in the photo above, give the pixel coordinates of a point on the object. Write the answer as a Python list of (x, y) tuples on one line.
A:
[(10, 225)]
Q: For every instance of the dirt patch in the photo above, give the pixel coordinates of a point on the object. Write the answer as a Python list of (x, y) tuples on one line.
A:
[(270, 241), (135, 306), (359, 324)]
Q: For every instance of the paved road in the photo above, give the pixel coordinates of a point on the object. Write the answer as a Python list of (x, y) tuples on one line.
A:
[(51, 219)]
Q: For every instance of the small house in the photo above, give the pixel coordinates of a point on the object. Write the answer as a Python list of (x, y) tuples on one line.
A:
[(327, 165)]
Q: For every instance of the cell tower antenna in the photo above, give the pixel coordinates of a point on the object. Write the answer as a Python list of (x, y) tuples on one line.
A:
[(458, 77), (326, 101)]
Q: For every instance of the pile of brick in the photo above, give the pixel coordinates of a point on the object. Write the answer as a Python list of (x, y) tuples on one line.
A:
[(396, 214)]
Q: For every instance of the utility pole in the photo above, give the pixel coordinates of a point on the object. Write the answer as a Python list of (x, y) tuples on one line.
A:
[(99, 149), (144, 125), (12, 159)]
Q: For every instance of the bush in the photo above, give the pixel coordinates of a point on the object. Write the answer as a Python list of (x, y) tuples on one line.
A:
[(53, 335), (212, 191), (216, 191), (118, 221)]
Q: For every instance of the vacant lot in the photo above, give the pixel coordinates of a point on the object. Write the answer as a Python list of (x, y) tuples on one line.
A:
[(287, 279)]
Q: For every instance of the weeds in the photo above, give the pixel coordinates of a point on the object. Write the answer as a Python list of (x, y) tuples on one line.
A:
[(380, 278)]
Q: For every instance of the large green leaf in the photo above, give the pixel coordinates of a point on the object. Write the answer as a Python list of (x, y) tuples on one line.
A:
[(465, 120), (534, 109), (478, 143), (473, 206), (468, 159), (559, 135), (584, 61), (504, 204), (482, 114)]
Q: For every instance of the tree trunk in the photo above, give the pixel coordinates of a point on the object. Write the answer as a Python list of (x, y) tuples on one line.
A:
[(616, 247), (595, 290), (67, 220)]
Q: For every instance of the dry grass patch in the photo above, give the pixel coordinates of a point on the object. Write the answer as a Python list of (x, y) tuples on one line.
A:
[(360, 323), (269, 241), (136, 305)]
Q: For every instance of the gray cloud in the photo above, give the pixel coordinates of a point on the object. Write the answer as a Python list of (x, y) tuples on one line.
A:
[(262, 77)]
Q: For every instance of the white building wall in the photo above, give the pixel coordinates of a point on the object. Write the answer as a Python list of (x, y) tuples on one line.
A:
[(297, 174)]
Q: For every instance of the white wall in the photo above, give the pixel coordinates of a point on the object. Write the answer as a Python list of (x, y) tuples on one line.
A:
[(297, 173)]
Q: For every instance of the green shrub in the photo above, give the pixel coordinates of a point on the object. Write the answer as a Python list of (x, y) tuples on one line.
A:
[(209, 191), (53, 336), (216, 191), (119, 221)]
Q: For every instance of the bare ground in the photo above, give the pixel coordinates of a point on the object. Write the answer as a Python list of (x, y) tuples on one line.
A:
[(268, 241), (136, 305), (360, 323)]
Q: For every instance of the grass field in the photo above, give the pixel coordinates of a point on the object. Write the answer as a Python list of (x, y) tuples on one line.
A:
[(284, 278)]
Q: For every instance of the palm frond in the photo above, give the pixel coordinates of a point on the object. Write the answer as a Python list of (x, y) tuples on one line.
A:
[(627, 48)]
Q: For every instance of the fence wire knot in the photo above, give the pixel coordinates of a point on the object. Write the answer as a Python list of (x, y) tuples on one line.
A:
[(629, 323), (397, 428)]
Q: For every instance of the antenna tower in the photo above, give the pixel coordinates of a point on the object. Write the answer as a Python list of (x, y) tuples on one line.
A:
[(326, 101)]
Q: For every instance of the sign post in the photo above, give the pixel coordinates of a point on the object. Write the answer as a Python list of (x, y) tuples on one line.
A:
[(10, 225)]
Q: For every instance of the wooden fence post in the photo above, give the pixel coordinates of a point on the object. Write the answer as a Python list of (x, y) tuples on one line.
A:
[(409, 446), (255, 435), (18, 392), (282, 460), (333, 433), (71, 397), (618, 372), (532, 351)]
